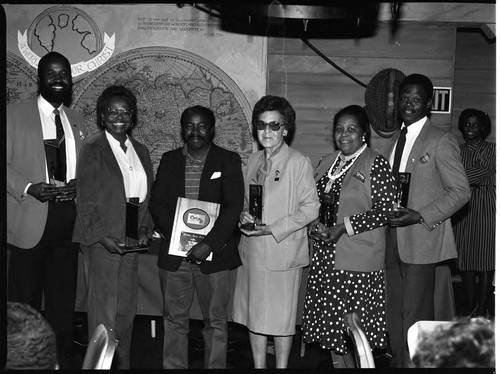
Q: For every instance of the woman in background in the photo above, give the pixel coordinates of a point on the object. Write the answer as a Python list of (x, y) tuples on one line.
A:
[(348, 259), (113, 169), (273, 255), (474, 224)]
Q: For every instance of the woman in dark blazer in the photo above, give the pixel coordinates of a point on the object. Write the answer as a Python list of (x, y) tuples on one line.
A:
[(113, 169)]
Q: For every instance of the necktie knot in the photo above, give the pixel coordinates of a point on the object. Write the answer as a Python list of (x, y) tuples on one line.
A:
[(56, 112)]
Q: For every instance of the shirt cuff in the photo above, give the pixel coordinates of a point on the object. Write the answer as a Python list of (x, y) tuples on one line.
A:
[(25, 193), (348, 226)]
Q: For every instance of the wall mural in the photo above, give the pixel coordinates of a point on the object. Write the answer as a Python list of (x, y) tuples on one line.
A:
[(174, 71)]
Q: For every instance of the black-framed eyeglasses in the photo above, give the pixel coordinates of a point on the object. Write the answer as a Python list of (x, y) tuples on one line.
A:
[(114, 113), (273, 125)]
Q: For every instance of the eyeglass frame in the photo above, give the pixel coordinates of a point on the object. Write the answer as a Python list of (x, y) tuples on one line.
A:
[(273, 125), (128, 113)]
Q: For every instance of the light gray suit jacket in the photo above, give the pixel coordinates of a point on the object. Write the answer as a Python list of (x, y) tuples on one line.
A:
[(438, 188), (26, 216)]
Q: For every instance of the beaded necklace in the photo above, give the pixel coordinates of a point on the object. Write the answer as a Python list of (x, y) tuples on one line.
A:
[(344, 165)]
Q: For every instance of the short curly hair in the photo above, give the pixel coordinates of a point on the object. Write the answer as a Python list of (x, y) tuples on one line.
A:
[(31, 342), (360, 114), (465, 343), (111, 92), (484, 121), (271, 103)]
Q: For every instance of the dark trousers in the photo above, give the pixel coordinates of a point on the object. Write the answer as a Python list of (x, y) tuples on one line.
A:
[(213, 295), (410, 298), (112, 295), (50, 268)]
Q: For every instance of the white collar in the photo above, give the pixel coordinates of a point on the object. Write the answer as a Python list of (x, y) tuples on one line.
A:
[(415, 127), (45, 107), (112, 139)]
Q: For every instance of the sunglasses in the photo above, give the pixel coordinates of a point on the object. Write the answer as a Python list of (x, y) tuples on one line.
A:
[(273, 125), (114, 113)]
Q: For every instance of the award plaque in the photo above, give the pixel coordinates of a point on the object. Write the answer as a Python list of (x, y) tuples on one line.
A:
[(403, 186), (132, 226), (254, 206), (192, 222)]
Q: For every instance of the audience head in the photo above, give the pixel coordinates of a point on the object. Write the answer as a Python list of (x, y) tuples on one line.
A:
[(278, 104), (197, 128), (415, 98), (54, 78), (468, 343), (474, 124), (31, 342), (116, 110)]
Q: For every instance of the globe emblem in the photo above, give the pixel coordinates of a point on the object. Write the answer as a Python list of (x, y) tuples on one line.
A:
[(67, 30)]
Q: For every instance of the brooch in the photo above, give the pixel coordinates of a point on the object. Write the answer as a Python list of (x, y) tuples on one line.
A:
[(359, 176)]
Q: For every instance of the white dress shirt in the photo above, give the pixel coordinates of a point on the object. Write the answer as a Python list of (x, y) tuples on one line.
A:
[(413, 132), (134, 176), (47, 118)]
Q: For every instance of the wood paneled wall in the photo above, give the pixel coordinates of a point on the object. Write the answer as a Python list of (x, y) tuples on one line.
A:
[(317, 91), (474, 85)]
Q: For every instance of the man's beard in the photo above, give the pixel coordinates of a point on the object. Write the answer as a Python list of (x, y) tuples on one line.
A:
[(57, 96)]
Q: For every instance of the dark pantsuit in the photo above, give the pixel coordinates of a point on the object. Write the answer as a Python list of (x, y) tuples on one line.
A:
[(213, 295), (410, 298), (112, 295), (49, 269)]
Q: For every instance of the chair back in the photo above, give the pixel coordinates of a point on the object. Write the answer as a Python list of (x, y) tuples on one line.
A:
[(101, 349), (363, 351), (418, 330)]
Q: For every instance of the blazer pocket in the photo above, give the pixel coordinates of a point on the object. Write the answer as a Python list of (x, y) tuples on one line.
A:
[(361, 241)]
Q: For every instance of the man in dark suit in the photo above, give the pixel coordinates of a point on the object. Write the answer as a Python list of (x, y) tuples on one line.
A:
[(203, 171), (421, 234), (43, 141)]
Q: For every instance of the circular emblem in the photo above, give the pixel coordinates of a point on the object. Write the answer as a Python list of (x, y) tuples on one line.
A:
[(68, 30), (196, 219)]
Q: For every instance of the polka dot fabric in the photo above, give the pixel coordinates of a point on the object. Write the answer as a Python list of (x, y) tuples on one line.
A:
[(331, 293)]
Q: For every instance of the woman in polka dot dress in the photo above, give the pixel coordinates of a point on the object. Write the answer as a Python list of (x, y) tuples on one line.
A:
[(347, 267)]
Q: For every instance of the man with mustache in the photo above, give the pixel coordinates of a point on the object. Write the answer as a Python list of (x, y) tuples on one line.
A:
[(199, 170), (43, 141), (420, 233)]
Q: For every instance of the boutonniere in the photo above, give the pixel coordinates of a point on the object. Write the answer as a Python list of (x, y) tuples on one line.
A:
[(82, 136), (359, 176), (425, 158)]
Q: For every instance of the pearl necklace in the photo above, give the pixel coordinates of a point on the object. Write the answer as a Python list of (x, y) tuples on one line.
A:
[(343, 166)]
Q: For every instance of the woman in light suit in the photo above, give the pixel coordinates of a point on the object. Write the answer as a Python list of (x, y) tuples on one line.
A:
[(273, 254), (113, 169)]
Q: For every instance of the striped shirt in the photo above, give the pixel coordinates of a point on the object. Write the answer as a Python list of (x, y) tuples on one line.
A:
[(194, 168)]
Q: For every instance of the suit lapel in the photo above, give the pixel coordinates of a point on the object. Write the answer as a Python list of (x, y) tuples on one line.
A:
[(208, 168), (145, 161), (73, 120)]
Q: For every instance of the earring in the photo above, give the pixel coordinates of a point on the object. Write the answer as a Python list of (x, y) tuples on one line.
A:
[(285, 133), (364, 139)]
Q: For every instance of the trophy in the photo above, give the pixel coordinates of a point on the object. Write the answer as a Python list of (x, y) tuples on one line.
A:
[(403, 189), (254, 207), (327, 217), (131, 226)]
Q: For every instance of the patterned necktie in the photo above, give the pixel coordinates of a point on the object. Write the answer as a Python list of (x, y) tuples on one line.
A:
[(399, 150), (60, 172)]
